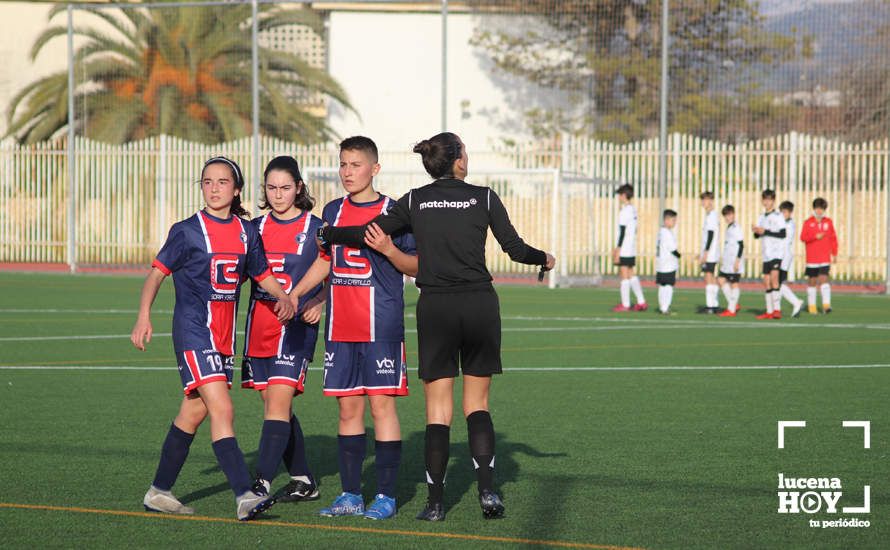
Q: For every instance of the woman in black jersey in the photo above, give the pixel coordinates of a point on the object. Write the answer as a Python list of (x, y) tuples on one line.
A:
[(458, 314)]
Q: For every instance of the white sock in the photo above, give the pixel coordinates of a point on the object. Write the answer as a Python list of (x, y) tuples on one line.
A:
[(826, 295), (787, 293), (811, 296), (777, 300), (665, 296), (712, 295), (638, 290), (625, 292), (727, 292), (733, 298), (769, 301)]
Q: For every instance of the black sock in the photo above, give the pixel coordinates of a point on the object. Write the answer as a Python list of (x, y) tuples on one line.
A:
[(387, 459), (436, 455), (480, 432), (173, 455), (231, 460), (295, 452), (351, 453), (273, 441)]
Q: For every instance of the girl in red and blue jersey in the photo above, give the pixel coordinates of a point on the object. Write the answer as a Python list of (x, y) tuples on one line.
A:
[(209, 254), (276, 356)]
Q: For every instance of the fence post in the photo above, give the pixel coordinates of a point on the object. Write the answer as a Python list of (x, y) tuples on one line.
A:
[(255, 91), (563, 216), (887, 221), (72, 173), (662, 139), (444, 105), (793, 146), (554, 224), (162, 189)]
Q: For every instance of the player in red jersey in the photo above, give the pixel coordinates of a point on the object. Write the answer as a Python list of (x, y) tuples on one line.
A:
[(276, 356), (821, 240), (365, 333), (209, 255)]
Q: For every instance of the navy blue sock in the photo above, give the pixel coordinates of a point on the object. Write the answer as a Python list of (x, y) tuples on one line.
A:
[(273, 441), (480, 432), (231, 460), (350, 455), (436, 441), (387, 460), (173, 455), (295, 452)]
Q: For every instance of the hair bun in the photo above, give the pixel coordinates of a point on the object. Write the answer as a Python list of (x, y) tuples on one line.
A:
[(424, 147)]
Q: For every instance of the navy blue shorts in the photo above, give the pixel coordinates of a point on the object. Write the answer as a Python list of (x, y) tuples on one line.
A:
[(365, 368), (199, 367), (260, 372)]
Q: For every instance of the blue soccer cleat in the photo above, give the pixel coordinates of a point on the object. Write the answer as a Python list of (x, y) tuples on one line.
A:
[(347, 504), (383, 507)]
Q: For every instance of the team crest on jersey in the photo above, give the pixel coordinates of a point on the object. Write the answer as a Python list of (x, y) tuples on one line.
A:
[(301, 238), (243, 237)]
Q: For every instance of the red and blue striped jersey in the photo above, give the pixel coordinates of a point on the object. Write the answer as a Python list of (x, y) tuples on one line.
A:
[(366, 300), (290, 250), (209, 258)]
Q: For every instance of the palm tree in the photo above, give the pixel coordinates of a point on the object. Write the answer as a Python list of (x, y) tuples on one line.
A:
[(184, 72)]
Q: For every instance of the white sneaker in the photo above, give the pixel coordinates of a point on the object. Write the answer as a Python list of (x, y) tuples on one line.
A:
[(796, 311), (254, 501), (157, 500)]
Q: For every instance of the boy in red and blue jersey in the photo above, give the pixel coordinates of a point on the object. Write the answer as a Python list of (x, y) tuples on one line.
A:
[(364, 332)]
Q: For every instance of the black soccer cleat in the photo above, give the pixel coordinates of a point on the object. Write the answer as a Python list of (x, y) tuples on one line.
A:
[(297, 491), (492, 506), (432, 512)]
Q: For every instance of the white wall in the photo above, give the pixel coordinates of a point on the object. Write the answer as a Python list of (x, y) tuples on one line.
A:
[(20, 25), (389, 64)]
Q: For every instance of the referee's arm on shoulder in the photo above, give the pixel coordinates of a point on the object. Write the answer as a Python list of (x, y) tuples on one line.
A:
[(396, 218), (506, 234)]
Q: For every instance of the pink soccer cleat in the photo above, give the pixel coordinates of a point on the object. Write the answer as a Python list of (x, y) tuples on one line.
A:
[(620, 309), (641, 307)]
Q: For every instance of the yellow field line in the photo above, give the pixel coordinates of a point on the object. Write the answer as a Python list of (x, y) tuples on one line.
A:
[(342, 528)]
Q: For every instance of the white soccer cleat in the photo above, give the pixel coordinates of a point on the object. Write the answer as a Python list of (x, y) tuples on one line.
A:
[(796, 312), (157, 500), (255, 501)]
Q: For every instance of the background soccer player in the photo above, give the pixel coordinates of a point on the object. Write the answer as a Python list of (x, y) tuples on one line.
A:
[(731, 262), (365, 332), (666, 262), (208, 254), (458, 312), (821, 240), (709, 254), (770, 228), (276, 356), (625, 251), (787, 209)]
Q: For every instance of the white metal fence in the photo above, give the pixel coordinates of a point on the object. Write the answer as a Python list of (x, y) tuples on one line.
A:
[(560, 197)]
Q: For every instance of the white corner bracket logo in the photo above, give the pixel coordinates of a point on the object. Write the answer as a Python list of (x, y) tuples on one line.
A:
[(812, 495)]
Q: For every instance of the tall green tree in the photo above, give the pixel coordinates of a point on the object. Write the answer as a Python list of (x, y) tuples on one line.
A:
[(605, 57), (184, 72)]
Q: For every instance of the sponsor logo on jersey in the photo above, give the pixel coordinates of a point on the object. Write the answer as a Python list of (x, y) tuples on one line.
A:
[(460, 205)]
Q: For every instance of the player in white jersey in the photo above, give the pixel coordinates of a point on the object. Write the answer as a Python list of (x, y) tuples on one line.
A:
[(709, 253), (666, 262), (731, 262), (787, 209), (770, 228), (624, 255)]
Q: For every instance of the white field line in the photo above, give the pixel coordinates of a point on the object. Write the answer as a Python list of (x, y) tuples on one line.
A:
[(51, 310), (508, 369)]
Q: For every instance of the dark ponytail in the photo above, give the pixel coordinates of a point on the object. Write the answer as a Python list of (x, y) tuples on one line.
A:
[(238, 178), (439, 153), (303, 200)]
